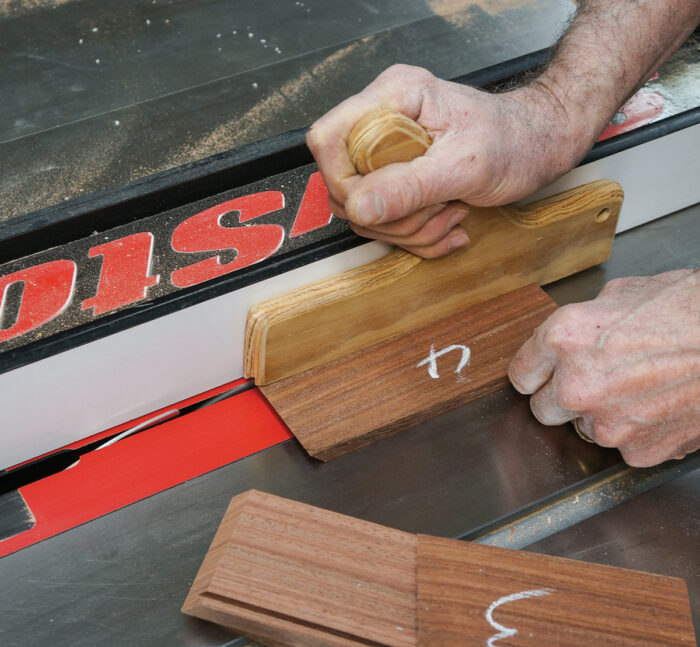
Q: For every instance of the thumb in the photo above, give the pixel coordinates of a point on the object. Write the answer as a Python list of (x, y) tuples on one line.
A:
[(398, 190)]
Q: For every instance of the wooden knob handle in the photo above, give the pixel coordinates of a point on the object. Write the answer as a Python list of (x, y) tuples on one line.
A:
[(384, 137)]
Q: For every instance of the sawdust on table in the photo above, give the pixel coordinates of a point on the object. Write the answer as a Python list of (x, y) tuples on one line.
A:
[(70, 173), (454, 11), (83, 171), (246, 128), (17, 7)]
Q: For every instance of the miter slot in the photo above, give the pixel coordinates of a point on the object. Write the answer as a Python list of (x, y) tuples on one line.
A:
[(576, 503)]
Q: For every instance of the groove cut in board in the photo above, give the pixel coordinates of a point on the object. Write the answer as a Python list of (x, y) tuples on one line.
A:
[(470, 594), (374, 392), (292, 575), (286, 573), (511, 247)]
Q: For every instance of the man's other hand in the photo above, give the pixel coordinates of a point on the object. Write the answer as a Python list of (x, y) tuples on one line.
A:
[(626, 364)]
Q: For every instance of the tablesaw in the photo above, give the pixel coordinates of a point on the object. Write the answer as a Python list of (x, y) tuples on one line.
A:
[(144, 214)]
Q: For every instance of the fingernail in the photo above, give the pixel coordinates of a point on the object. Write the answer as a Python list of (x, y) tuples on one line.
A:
[(457, 218), (370, 209), (457, 239)]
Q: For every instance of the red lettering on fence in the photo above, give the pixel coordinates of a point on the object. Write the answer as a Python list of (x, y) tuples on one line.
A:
[(125, 276), (47, 291), (203, 232), (314, 211)]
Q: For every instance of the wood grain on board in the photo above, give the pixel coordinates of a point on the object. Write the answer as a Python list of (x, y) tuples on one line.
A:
[(511, 247), (372, 393), (470, 594), (286, 573)]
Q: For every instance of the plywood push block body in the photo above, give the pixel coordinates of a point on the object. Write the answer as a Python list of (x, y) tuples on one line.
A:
[(353, 358), (289, 574)]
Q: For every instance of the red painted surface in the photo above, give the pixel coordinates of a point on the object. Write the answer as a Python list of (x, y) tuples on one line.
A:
[(149, 462), (642, 108), (203, 233), (125, 275), (47, 291), (314, 211)]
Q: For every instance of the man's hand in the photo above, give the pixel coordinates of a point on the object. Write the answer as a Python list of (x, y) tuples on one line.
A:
[(627, 364), (488, 149)]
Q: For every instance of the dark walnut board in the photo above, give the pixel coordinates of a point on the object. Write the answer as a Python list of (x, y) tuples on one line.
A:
[(289, 574), (376, 391)]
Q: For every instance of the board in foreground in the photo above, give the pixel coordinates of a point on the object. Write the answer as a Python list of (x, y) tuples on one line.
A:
[(293, 575)]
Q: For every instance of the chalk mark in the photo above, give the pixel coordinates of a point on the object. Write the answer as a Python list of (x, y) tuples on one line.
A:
[(507, 632), (431, 359)]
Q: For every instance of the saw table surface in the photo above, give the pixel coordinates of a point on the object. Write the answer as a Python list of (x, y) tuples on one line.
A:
[(99, 92)]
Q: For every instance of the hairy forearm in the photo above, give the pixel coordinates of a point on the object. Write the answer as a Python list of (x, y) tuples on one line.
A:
[(611, 48)]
